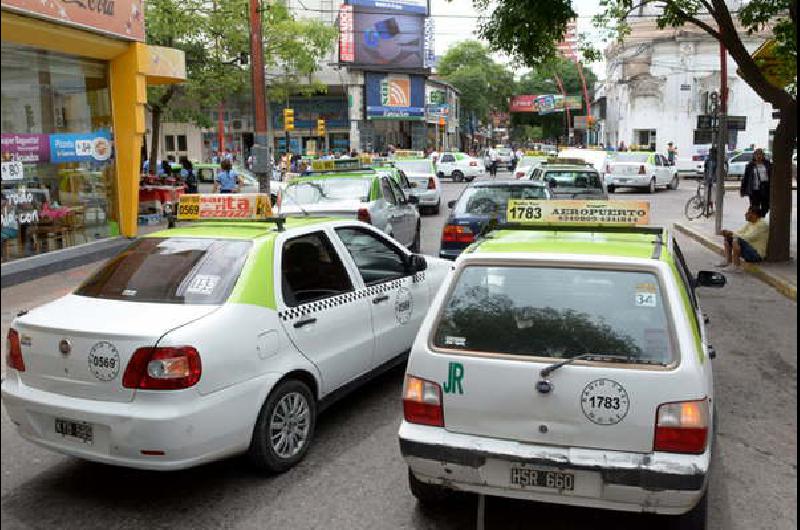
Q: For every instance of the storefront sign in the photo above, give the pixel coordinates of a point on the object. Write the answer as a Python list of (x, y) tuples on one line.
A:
[(624, 213), (419, 7), (80, 147), (347, 45), (27, 148), (165, 63), (121, 18), (395, 97)]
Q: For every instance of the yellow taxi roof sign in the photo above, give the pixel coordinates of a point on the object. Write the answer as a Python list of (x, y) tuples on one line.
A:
[(345, 164), (571, 213), (238, 206)]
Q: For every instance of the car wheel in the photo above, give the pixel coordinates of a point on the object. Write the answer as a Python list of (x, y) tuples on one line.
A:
[(470, 179), (652, 187), (429, 494), (284, 428), (694, 519), (611, 189), (435, 209), (458, 176), (415, 245), (673, 184)]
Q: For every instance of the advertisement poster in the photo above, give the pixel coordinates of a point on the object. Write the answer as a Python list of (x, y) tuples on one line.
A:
[(347, 45), (80, 147), (389, 40), (26, 148), (399, 97), (419, 7), (544, 103)]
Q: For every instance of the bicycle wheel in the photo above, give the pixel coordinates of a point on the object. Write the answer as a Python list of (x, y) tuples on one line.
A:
[(694, 208)]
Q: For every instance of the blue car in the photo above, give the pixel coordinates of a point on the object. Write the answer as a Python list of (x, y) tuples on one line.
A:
[(478, 204)]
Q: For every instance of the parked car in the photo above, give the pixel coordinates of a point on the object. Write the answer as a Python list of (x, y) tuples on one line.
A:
[(369, 197), (571, 181), (479, 204), (215, 339), (459, 167), (568, 367), (425, 184), (640, 169)]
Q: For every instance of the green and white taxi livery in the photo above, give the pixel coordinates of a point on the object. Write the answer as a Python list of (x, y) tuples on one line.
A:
[(217, 337), (565, 360)]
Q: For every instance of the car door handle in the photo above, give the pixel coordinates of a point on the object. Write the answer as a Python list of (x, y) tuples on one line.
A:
[(379, 299), (306, 322)]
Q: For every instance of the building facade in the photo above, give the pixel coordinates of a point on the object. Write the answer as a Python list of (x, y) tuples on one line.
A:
[(73, 95)]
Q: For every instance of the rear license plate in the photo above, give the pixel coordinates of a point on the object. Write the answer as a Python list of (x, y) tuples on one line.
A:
[(539, 478), (79, 430)]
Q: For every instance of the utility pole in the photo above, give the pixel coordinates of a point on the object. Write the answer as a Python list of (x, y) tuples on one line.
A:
[(262, 161), (722, 135), (566, 108)]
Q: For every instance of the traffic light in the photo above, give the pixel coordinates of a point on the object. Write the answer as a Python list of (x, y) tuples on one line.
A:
[(321, 127), (288, 119)]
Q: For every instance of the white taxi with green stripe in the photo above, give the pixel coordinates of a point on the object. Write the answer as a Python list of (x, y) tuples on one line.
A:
[(565, 361), (216, 337)]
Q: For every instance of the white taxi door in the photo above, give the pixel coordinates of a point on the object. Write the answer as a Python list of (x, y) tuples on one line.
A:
[(407, 213), (398, 300), (396, 225), (320, 310), (446, 164)]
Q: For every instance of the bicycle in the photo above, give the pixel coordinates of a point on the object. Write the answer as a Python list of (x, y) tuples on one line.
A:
[(699, 205)]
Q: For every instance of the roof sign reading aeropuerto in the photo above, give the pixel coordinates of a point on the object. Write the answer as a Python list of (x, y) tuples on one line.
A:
[(249, 206), (610, 213), (336, 165)]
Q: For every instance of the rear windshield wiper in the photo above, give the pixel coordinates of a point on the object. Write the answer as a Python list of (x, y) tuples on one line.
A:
[(593, 357)]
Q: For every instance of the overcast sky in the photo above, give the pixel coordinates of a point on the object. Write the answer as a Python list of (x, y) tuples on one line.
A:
[(457, 20)]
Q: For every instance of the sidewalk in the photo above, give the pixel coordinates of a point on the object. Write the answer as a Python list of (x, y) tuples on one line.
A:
[(781, 276)]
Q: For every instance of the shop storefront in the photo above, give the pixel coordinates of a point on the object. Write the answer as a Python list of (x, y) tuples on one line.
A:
[(304, 139), (73, 95), (395, 112)]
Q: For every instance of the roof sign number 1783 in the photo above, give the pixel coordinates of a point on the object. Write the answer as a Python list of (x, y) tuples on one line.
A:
[(526, 212)]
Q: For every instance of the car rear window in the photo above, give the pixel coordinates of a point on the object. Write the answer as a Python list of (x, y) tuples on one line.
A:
[(171, 270), (573, 179), (323, 190), (556, 312), (631, 157), (415, 166), (489, 200)]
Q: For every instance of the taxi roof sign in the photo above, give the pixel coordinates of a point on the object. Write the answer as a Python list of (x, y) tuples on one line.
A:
[(228, 206), (346, 164), (578, 213)]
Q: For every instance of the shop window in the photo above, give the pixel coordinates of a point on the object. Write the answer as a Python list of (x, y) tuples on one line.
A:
[(169, 143), (59, 178), (182, 142)]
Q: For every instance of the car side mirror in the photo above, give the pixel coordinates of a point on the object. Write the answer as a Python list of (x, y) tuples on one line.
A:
[(417, 263), (412, 199), (710, 279), (451, 204)]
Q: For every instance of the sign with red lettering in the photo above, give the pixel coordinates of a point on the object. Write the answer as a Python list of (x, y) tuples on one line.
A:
[(253, 206)]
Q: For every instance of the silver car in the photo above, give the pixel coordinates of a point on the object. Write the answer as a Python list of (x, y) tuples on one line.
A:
[(425, 184), (369, 197)]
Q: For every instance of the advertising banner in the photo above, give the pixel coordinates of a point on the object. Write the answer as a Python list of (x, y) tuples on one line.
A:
[(419, 7), (523, 104), (347, 46), (389, 40), (80, 147), (544, 103), (395, 97), (616, 213), (27, 148)]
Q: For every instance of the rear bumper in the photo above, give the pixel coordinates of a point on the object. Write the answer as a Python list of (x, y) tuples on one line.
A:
[(628, 180), (428, 197), (189, 428), (654, 482)]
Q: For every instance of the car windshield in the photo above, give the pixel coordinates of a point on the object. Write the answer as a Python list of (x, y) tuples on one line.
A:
[(489, 200), (415, 166), (323, 190), (556, 312), (573, 179), (170, 270), (641, 158)]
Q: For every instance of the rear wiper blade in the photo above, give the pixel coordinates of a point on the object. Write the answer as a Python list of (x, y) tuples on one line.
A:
[(586, 357)]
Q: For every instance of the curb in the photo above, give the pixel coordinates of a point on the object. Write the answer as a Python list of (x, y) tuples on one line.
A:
[(782, 286)]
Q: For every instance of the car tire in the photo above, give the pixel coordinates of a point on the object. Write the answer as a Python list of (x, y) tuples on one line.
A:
[(611, 189), (469, 179), (262, 452), (673, 184), (652, 187), (415, 245), (694, 519), (458, 176), (429, 495), (436, 209)]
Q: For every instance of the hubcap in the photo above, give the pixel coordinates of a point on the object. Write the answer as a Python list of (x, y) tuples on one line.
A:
[(289, 424)]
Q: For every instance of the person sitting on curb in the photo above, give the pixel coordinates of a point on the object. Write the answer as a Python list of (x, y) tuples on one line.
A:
[(748, 243)]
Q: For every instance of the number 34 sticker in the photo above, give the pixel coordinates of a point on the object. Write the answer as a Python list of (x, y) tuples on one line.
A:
[(604, 402)]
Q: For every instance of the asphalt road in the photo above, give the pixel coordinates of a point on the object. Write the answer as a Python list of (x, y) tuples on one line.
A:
[(354, 477)]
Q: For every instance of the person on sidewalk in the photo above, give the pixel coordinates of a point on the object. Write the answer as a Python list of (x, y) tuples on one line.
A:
[(749, 243), (755, 183), (710, 178)]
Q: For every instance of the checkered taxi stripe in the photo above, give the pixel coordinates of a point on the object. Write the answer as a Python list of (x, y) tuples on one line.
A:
[(293, 313)]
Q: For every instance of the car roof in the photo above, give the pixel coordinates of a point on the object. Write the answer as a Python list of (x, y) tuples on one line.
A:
[(583, 167), (505, 183), (237, 229), (648, 242), (361, 174)]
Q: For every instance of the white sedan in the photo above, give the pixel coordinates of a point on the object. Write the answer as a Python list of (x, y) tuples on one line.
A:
[(640, 169), (459, 167)]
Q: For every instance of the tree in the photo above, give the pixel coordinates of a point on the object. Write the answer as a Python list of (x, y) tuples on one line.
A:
[(484, 84), (529, 31), (215, 38)]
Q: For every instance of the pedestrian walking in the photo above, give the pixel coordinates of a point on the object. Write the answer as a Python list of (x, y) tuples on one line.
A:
[(188, 176), (494, 158), (756, 181), (227, 180), (749, 243)]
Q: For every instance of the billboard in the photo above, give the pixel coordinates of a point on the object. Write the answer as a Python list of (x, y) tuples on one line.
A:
[(419, 7), (395, 97), (390, 40), (347, 49), (544, 103)]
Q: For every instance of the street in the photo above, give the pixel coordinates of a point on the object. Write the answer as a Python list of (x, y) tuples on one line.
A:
[(354, 477)]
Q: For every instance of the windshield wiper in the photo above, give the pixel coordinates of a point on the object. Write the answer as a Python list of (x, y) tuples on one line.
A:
[(587, 357)]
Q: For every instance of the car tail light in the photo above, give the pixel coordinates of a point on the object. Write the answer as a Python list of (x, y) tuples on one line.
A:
[(642, 170), (457, 234), (422, 402), (520, 174), (697, 158), (364, 216), (14, 356), (682, 427), (163, 368), (431, 183), (473, 163)]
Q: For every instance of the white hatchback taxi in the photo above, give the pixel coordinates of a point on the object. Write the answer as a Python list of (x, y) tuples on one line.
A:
[(578, 376)]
